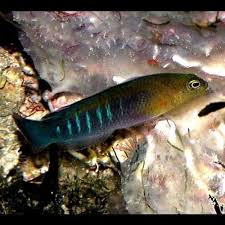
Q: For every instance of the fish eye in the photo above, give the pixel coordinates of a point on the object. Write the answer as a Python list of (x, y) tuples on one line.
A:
[(194, 84)]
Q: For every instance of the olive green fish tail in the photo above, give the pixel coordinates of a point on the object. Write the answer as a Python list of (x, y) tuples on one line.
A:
[(34, 131)]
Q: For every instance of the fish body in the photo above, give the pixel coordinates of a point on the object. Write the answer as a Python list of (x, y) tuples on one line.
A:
[(128, 104)]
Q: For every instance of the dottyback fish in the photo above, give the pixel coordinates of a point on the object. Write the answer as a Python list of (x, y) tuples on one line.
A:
[(128, 104)]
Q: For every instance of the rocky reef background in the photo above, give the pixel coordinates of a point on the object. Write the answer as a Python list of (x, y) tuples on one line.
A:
[(44, 184), (47, 183), (173, 166)]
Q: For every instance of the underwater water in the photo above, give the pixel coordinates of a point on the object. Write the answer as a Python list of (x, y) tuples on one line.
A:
[(171, 164)]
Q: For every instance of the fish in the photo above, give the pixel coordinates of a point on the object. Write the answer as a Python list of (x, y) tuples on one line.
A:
[(95, 118), (212, 107)]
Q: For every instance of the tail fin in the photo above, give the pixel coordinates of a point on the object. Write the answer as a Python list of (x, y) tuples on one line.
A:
[(34, 131)]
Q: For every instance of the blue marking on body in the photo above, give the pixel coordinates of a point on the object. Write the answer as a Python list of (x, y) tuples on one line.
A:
[(99, 115), (78, 122), (58, 130), (121, 107), (108, 112), (69, 127), (88, 121)]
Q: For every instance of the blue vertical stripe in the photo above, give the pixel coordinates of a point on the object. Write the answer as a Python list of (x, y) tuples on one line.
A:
[(99, 115), (108, 112), (58, 130), (88, 122), (78, 122), (69, 127)]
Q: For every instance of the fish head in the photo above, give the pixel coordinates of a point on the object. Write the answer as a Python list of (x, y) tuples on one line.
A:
[(182, 88), (187, 86), (173, 90)]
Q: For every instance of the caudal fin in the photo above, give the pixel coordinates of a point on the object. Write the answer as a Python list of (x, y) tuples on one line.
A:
[(35, 132)]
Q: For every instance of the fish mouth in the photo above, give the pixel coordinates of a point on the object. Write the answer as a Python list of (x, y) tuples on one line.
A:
[(208, 89)]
